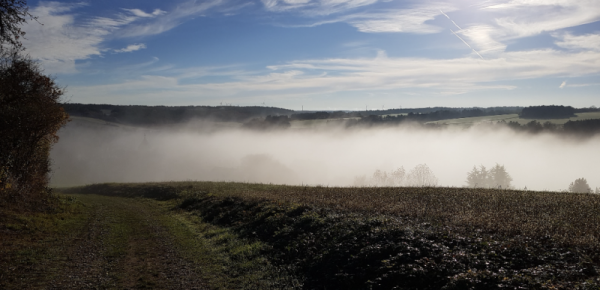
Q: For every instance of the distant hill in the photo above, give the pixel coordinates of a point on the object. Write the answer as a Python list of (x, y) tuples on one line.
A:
[(163, 115)]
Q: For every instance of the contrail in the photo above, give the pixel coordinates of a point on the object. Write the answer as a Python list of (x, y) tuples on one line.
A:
[(475, 51), (466, 44), (451, 20)]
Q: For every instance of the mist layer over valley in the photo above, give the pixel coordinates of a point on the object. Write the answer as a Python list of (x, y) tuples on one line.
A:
[(96, 153)]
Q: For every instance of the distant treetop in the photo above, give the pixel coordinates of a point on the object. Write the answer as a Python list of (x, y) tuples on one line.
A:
[(548, 112)]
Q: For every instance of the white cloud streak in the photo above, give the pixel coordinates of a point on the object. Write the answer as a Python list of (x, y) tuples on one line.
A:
[(402, 20), (169, 20), (328, 76), (530, 17), (412, 20), (523, 18), (578, 42), (59, 42), (131, 48), (62, 39), (563, 85), (140, 13), (315, 7)]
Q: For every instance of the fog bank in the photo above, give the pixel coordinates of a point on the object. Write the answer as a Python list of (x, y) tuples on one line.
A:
[(100, 153)]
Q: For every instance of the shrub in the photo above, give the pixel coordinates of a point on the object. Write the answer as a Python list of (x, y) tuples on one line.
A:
[(30, 116)]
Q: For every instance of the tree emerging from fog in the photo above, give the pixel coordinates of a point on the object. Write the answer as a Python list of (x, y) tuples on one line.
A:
[(419, 176), (496, 177), (580, 185)]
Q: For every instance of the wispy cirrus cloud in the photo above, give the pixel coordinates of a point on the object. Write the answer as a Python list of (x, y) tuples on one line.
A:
[(578, 42), (64, 39), (315, 7), (140, 13), (523, 18), (400, 20), (131, 48), (59, 42), (344, 75), (409, 20), (169, 20), (516, 19)]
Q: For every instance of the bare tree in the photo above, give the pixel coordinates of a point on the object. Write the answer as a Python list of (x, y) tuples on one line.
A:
[(397, 176), (421, 175), (496, 177), (13, 14)]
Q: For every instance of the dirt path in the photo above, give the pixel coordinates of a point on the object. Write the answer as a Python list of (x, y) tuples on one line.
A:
[(121, 244)]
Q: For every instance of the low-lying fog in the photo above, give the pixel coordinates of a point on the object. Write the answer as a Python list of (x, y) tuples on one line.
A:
[(100, 153)]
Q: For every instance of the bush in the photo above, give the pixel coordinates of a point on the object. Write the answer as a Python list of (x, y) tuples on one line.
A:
[(30, 116)]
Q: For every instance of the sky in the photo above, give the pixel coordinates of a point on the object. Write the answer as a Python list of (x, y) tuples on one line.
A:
[(321, 54)]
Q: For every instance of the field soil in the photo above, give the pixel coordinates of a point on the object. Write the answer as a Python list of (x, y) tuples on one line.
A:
[(108, 243)]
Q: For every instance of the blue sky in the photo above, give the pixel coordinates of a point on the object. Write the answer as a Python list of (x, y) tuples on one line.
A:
[(321, 54)]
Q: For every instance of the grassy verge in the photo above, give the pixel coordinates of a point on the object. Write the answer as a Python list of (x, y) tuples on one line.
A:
[(224, 258), (32, 242)]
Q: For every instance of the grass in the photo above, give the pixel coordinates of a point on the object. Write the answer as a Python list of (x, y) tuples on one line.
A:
[(32, 241), (513, 117), (380, 238), (226, 260), (319, 123)]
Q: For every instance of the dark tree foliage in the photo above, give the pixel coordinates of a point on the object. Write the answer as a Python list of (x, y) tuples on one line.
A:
[(579, 128), (582, 126), (163, 115), (548, 112), (30, 116), (532, 126), (270, 122), (586, 110), (13, 14), (324, 115)]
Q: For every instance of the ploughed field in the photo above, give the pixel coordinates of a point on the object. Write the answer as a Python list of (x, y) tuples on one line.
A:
[(387, 238)]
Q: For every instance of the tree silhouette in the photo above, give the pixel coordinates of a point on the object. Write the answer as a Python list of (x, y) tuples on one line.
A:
[(580, 185)]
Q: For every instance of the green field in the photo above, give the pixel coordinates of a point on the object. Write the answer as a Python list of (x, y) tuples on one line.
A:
[(199, 125), (319, 123), (512, 117)]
